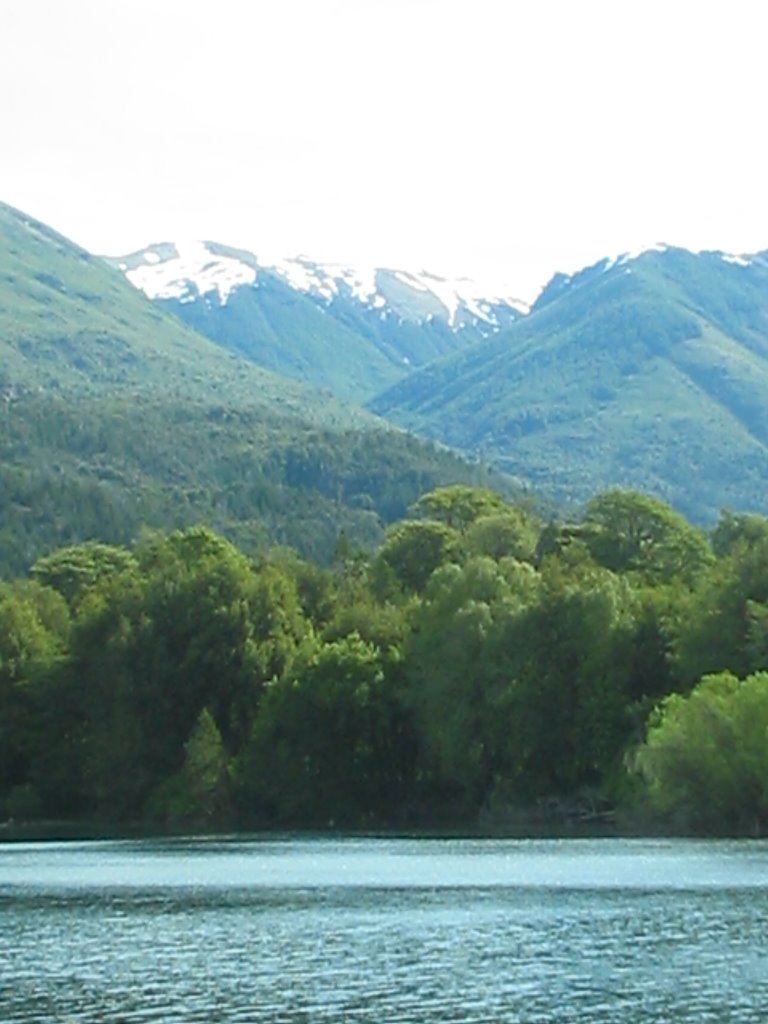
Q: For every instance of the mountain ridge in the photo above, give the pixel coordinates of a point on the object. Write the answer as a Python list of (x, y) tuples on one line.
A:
[(649, 372), (352, 331), (174, 269)]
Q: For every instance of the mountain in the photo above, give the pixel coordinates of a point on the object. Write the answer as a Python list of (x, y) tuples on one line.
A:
[(647, 371), (70, 325), (116, 416), (353, 332)]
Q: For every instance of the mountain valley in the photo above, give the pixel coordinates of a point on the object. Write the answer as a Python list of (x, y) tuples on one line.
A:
[(352, 331)]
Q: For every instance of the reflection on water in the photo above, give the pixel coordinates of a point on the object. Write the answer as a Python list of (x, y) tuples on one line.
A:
[(384, 931)]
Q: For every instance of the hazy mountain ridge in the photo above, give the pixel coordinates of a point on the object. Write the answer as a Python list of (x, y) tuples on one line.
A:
[(352, 331), (648, 371)]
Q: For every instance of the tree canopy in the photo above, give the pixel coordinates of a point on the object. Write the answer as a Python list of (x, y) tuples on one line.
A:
[(477, 662)]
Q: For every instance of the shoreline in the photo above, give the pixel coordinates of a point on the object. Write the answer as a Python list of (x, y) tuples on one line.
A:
[(523, 829)]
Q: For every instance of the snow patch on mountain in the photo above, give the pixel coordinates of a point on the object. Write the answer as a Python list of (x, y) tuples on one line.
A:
[(324, 279), (411, 280), (186, 271), (634, 254), (739, 261), (190, 270), (478, 301)]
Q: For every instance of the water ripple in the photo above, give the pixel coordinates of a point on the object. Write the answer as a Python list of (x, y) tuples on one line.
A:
[(350, 952)]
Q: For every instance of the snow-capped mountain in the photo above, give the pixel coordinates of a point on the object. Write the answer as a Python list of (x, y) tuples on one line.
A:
[(352, 331), (191, 270)]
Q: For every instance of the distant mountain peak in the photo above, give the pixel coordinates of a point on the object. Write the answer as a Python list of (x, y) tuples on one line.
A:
[(187, 271), (626, 263), (184, 271)]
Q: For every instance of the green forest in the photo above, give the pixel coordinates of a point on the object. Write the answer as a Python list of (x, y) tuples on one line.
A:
[(480, 668), (71, 471)]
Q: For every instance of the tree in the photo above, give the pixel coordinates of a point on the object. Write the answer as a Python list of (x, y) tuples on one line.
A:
[(512, 533), (331, 743), (197, 628), (705, 759), (457, 667), (315, 587), (413, 550), (723, 625), (31, 656), (72, 571), (631, 532), (458, 506), (199, 792), (570, 667), (738, 530)]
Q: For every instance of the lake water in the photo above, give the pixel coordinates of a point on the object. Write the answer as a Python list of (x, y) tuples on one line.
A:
[(378, 931)]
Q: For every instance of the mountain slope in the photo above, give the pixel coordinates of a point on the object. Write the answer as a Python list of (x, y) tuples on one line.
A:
[(116, 416), (648, 371), (71, 325), (349, 331)]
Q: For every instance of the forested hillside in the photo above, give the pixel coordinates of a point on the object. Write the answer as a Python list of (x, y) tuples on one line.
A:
[(481, 668), (649, 371), (102, 470)]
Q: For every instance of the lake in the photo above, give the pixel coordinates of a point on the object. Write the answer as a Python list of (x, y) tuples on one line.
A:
[(350, 930)]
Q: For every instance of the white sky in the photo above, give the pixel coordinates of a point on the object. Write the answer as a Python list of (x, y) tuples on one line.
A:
[(494, 138)]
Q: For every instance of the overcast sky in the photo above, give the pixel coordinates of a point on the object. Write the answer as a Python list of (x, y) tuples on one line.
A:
[(493, 138)]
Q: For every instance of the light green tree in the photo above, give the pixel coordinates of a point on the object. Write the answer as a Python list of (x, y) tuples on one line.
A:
[(458, 506), (705, 759), (199, 792)]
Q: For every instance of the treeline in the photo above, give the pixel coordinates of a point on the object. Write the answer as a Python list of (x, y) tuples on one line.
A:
[(479, 663)]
